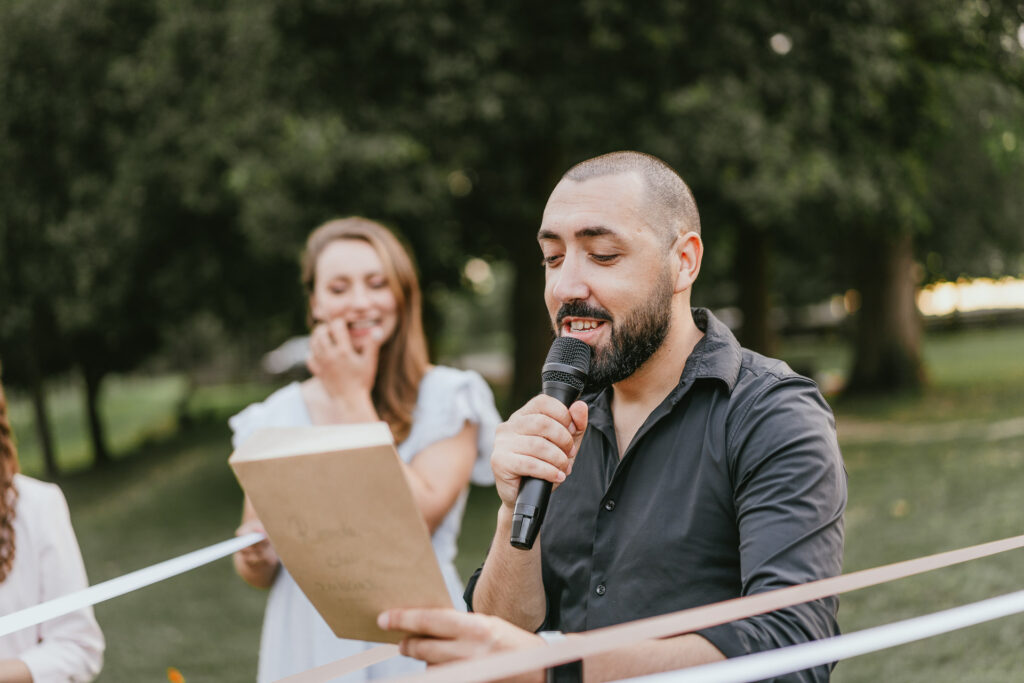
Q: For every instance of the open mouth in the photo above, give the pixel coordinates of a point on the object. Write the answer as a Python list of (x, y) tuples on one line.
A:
[(358, 327), (582, 328)]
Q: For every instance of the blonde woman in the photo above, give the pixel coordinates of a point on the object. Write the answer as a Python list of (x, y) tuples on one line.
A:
[(368, 358), (40, 561)]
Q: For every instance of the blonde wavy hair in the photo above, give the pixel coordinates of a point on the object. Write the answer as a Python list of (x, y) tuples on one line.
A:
[(8, 493), (403, 359)]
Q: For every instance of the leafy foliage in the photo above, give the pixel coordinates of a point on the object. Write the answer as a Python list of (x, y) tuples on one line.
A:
[(161, 162)]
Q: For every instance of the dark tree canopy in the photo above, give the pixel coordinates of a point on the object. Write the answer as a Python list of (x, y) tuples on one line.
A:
[(161, 163)]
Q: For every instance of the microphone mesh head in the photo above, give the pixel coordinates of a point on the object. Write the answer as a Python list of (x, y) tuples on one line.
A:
[(563, 377), (568, 351)]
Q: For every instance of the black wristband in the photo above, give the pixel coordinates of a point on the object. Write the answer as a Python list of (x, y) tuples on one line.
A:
[(570, 672)]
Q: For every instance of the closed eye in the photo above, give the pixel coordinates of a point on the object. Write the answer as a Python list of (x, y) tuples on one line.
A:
[(548, 261), (605, 258)]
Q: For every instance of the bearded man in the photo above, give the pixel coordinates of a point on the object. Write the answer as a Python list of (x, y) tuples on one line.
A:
[(693, 470)]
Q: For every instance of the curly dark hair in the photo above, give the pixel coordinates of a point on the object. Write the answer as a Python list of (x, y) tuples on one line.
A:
[(8, 494)]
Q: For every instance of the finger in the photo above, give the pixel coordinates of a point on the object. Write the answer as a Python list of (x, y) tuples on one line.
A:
[(580, 413), (547, 405), (250, 525), (436, 623), (339, 335), (519, 465), (437, 650), (539, 448), (255, 559), (319, 333), (319, 341), (538, 424)]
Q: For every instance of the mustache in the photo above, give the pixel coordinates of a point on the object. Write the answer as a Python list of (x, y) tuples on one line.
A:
[(580, 309)]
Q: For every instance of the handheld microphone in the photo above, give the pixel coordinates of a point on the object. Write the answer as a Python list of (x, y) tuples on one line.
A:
[(563, 376)]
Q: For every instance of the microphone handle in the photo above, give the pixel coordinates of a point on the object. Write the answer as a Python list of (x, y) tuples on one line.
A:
[(532, 499), (531, 505)]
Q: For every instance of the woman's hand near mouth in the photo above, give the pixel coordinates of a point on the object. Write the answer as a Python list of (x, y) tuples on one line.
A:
[(347, 374)]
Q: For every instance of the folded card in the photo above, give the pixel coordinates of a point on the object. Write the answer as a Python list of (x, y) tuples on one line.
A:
[(338, 510)]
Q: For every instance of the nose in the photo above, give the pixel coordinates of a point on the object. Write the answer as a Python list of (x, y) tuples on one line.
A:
[(359, 298), (568, 282)]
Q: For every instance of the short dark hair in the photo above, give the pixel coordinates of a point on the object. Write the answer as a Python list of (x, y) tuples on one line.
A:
[(672, 208)]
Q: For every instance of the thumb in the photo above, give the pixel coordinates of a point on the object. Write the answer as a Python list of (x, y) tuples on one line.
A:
[(579, 412)]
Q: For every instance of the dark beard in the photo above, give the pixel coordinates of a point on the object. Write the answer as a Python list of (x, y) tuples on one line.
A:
[(633, 341)]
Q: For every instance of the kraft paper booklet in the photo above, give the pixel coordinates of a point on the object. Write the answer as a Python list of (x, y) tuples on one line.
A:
[(339, 513)]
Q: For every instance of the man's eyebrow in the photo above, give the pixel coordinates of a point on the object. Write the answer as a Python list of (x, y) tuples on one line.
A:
[(595, 231), (590, 231)]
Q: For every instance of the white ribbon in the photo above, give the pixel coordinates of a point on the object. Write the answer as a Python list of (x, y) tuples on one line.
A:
[(123, 584), (772, 663)]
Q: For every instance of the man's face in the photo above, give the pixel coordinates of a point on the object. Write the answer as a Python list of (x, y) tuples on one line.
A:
[(608, 280)]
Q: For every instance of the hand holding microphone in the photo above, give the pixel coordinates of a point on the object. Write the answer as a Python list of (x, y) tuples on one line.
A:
[(563, 377)]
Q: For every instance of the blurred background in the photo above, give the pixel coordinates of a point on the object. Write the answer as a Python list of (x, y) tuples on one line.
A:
[(858, 164)]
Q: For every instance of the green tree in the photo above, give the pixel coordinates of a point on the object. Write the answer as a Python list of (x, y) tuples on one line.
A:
[(835, 148), (119, 223), (55, 123), (802, 133), (162, 162), (895, 113)]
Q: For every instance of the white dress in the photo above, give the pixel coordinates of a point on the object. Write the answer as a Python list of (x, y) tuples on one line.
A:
[(47, 565), (295, 638)]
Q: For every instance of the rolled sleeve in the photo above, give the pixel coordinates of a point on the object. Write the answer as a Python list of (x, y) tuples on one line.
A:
[(790, 493)]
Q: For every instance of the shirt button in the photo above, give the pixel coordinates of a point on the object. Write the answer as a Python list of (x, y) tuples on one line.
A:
[(600, 590), (610, 505)]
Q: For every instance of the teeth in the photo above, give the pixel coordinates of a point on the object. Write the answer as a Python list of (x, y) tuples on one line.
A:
[(362, 324), (580, 325)]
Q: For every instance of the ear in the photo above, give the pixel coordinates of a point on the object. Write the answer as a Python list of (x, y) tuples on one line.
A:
[(688, 250)]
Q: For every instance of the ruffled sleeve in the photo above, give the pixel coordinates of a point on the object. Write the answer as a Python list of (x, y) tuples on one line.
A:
[(243, 424), (283, 408), (449, 398)]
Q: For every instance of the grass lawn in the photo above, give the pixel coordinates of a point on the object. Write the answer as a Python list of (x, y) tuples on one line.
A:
[(133, 408), (927, 474), (917, 499)]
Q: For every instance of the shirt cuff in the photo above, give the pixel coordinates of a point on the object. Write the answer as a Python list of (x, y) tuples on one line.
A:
[(726, 638), (467, 595)]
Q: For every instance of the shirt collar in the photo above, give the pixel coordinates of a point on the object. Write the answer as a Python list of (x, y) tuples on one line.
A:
[(716, 356)]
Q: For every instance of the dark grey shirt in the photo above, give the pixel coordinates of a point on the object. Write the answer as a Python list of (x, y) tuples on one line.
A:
[(734, 485)]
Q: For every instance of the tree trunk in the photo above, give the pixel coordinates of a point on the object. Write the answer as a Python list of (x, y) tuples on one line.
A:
[(93, 381), (530, 323), (533, 333), (753, 277), (43, 429), (887, 336)]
